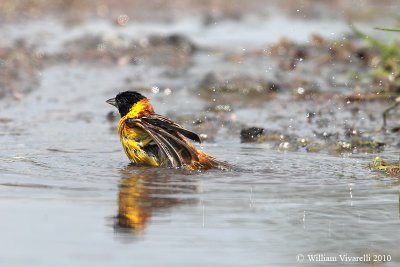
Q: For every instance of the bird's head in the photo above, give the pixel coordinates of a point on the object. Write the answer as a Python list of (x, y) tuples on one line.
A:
[(126, 100)]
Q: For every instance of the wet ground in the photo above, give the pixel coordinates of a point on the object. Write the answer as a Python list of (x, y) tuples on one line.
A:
[(288, 94)]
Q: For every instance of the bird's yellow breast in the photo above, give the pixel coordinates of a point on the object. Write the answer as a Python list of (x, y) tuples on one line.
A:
[(133, 139)]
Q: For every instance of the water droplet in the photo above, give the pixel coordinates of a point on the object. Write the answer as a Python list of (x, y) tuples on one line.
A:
[(300, 90), (155, 90), (122, 19), (167, 91)]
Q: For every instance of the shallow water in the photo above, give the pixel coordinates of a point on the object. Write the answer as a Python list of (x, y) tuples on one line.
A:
[(69, 196), (62, 190)]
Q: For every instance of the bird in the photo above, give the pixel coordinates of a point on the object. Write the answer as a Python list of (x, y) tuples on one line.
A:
[(150, 139)]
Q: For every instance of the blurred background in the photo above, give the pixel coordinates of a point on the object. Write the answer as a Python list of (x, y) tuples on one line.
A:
[(293, 93)]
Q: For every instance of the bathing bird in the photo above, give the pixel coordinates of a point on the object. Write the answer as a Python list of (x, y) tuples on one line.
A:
[(154, 140)]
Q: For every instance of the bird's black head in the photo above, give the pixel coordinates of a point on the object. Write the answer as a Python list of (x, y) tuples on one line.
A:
[(125, 100)]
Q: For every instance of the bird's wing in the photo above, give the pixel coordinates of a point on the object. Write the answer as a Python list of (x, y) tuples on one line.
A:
[(170, 126), (171, 145)]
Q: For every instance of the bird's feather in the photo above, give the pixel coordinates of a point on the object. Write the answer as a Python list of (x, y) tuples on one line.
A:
[(169, 125), (171, 143)]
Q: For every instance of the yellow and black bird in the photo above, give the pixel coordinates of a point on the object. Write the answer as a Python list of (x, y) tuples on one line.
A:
[(154, 140)]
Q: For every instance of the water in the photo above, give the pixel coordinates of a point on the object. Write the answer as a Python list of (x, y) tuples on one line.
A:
[(290, 203), (69, 196), (65, 180)]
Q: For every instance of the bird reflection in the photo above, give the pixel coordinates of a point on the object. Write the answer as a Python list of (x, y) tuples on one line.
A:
[(144, 191)]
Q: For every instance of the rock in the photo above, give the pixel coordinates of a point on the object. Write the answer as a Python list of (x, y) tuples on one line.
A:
[(178, 41), (250, 135)]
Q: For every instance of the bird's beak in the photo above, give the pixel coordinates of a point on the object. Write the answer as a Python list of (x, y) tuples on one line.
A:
[(112, 101)]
